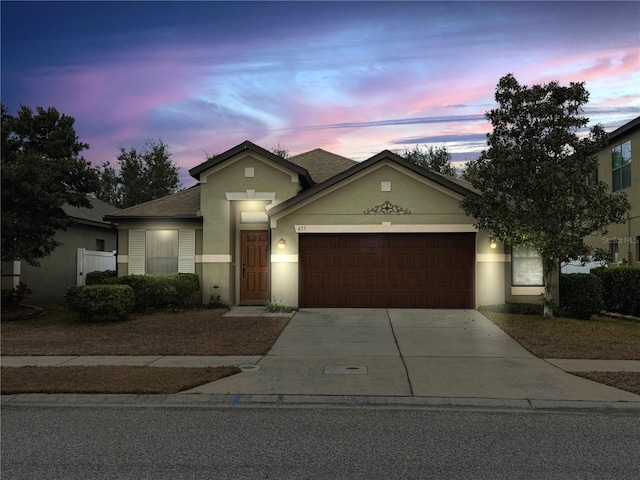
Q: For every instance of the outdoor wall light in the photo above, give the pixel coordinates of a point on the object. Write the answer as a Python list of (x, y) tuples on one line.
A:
[(282, 243), (493, 242)]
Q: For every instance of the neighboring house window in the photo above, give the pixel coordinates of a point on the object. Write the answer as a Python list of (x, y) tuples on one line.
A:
[(621, 166), (161, 251), (99, 245), (614, 251), (526, 267)]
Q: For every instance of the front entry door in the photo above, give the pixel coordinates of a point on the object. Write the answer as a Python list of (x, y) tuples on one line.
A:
[(254, 280)]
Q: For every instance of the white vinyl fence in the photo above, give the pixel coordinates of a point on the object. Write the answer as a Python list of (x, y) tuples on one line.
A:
[(92, 261)]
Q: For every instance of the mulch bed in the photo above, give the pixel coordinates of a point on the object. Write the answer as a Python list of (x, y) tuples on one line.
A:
[(108, 379), (186, 332)]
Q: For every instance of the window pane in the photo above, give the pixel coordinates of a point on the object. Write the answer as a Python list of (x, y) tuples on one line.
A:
[(162, 251), (526, 265), (613, 250), (626, 152), (626, 176), (615, 178), (616, 157)]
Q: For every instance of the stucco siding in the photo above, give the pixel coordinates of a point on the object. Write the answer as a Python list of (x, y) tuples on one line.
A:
[(58, 272), (626, 233)]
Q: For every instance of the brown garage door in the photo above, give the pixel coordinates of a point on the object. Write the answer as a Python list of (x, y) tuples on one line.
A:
[(420, 270)]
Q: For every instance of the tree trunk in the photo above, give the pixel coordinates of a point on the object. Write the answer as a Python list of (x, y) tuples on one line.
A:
[(547, 297)]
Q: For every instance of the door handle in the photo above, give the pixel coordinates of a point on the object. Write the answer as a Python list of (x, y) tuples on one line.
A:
[(243, 265)]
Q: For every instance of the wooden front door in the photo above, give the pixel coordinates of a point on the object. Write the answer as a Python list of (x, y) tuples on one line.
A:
[(254, 280)]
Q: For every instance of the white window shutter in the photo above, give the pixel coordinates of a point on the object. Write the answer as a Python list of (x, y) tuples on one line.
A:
[(187, 251), (136, 252)]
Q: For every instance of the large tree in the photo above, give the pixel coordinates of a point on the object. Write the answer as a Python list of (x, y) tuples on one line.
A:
[(142, 176), (432, 158), (534, 178), (41, 171)]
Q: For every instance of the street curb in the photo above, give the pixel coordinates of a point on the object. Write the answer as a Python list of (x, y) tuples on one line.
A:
[(322, 401)]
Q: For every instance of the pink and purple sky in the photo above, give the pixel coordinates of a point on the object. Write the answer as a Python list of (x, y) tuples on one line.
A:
[(353, 78)]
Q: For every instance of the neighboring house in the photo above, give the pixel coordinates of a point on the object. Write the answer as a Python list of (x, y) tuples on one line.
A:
[(320, 230), (57, 272), (619, 167)]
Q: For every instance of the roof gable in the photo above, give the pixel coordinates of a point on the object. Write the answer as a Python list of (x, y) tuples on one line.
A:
[(303, 174), (458, 186)]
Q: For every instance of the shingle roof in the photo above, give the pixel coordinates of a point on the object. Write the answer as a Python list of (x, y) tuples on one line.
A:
[(183, 205), (321, 164), (93, 215)]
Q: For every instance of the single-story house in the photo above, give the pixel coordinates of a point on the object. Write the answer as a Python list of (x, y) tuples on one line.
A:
[(87, 245), (320, 230)]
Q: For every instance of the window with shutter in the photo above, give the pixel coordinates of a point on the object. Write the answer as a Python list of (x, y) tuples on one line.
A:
[(136, 252), (186, 251)]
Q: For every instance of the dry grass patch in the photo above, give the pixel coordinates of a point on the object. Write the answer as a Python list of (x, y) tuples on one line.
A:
[(629, 381), (187, 332), (599, 338), (108, 379)]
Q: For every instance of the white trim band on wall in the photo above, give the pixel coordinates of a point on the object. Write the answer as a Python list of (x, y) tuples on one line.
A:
[(250, 195), (386, 227), (527, 290), (214, 259)]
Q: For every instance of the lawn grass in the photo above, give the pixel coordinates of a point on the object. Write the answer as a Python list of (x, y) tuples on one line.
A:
[(186, 332), (601, 337), (108, 379)]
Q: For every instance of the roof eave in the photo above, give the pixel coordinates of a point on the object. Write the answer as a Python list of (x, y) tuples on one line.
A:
[(303, 174), (145, 218)]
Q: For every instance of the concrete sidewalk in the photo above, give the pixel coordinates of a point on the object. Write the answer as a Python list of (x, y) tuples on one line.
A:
[(393, 353)]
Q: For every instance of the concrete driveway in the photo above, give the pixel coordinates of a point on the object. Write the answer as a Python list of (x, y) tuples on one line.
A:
[(406, 352)]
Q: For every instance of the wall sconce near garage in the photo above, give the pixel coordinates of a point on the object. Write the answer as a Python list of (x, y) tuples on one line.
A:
[(493, 242), (282, 243)]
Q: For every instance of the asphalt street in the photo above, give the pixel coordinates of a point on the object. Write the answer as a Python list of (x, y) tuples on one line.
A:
[(122, 442)]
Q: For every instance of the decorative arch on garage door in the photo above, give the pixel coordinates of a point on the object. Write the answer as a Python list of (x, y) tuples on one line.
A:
[(387, 270)]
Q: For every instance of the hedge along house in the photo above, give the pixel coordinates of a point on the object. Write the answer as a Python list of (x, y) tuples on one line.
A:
[(319, 230)]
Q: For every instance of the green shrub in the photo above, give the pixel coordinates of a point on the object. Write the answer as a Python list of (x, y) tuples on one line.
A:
[(104, 300), (154, 291), (14, 296), (100, 277), (621, 289), (580, 295)]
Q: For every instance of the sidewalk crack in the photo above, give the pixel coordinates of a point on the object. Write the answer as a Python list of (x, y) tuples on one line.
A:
[(406, 370)]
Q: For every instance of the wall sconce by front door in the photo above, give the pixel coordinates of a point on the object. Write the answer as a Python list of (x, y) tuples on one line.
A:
[(282, 243), (493, 242)]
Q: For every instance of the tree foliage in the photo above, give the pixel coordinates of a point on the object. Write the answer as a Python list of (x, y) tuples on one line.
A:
[(534, 176), (281, 151), (42, 170), (141, 176), (433, 158)]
